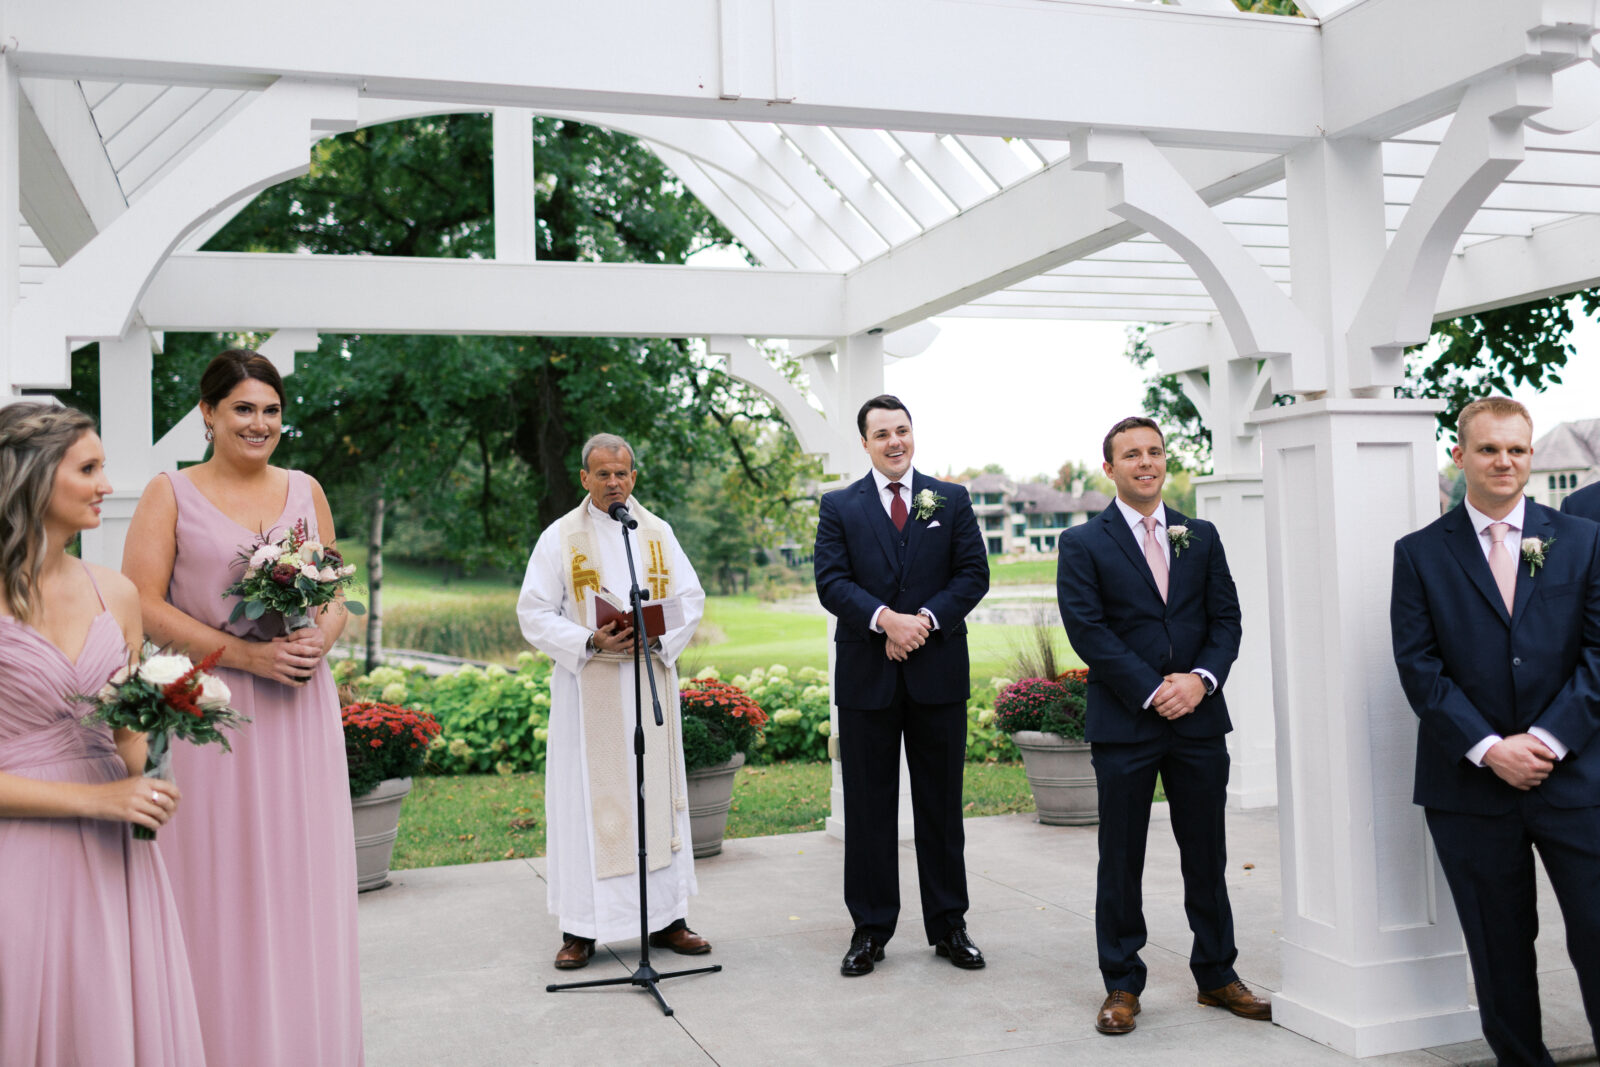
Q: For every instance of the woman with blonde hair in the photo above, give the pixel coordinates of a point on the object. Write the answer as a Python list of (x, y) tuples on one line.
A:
[(263, 865), (92, 961)]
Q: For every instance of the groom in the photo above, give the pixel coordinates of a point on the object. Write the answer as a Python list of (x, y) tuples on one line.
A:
[(1495, 618), (1150, 606), (900, 563)]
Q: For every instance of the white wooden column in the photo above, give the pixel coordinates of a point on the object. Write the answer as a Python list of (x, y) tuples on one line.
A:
[(10, 212), (515, 226), (125, 431), (1226, 391)]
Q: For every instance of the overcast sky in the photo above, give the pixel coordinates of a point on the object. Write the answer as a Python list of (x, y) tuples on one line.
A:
[(1031, 395)]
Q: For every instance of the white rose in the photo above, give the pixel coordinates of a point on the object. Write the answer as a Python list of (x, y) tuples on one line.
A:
[(347, 570), (310, 548), (311, 572), (1177, 531), (1532, 546), (108, 692), (264, 555), (214, 693), (162, 670), (328, 574)]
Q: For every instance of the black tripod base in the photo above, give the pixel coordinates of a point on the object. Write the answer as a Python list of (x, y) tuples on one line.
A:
[(645, 977)]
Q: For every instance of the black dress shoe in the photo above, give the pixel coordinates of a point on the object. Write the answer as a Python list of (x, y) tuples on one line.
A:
[(865, 949), (959, 947)]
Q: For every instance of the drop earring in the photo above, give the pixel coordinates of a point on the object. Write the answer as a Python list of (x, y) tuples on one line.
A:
[(210, 435)]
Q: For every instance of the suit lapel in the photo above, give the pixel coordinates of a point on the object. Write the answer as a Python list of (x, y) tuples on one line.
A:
[(1116, 527), (1463, 543), (1179, 565), (872, 514), (914, 525), (1535, 523)]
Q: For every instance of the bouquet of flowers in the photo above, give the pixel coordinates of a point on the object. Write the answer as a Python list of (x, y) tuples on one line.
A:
[(384, 741), (167, 696), (292, 575), (718, 720)]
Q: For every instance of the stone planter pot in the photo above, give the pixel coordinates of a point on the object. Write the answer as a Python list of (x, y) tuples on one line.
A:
[(710, 792), (1061, 777), (377, 818)]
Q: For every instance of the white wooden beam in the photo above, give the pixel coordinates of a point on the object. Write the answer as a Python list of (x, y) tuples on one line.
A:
[(1052, 218), (515, 228), (1557, 259), (205, 291), (835, 62)]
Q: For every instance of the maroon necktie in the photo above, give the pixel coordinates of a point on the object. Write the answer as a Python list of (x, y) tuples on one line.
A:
[(897, 510)]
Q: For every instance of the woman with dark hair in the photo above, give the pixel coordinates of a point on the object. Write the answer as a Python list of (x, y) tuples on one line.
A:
[(264, 866), (92, 961)]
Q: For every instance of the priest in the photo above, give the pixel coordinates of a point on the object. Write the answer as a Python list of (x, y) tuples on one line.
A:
[(590, 770)]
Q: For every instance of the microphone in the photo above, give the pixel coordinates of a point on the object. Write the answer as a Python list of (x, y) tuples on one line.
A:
[(619, 511)]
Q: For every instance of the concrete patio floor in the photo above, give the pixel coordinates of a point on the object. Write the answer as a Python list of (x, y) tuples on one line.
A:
[(455, 961)]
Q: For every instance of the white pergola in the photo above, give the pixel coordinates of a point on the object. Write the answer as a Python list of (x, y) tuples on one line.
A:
[(1300, 197)]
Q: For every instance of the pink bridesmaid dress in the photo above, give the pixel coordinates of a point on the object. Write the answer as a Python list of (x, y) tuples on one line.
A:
[(262, 854), (92, 962)]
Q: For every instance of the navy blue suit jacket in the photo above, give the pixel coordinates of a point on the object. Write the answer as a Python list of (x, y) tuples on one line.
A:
[(860, 565), (1131, 639), (1585, 503), (1470, 670)]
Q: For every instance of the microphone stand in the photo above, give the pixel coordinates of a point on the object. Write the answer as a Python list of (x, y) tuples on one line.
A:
[(646, 976)]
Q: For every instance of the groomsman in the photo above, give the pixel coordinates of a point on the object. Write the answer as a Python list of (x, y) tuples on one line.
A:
[(1495, 617), (1149, 605), (1585, 503), (900, 563)]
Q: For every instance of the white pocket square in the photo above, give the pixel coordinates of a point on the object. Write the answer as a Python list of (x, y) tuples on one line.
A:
[(932, 524)]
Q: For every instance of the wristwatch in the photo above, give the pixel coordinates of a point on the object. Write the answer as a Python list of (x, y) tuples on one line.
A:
[(1205, 680), (588, 643)]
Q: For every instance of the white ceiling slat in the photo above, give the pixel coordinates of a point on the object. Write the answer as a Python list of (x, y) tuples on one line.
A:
[(824, 200), (1056, 283), (749, 218), (121, 107), (1140, 304), (979, 311), (942, 168), (1050, 151), (148, 126), (854, 182), (918, 201), (997, 158), (174, 142)]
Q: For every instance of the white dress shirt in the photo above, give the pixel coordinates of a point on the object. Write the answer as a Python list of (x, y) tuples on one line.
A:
[(1135, 521), (1515, 519)]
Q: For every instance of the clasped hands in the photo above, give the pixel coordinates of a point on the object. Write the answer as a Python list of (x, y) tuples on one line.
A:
[(905, 633), (292, 659), (1522, 761), (1178, 695)]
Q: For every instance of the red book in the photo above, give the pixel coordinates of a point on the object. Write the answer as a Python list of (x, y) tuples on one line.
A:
[(605, 612)]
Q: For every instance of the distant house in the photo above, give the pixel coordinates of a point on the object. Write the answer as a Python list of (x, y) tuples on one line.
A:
[(1566, 458), (1020, 517)]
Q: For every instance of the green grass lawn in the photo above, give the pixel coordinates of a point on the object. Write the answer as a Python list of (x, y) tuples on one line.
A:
[(477, 818), (1021, 572)]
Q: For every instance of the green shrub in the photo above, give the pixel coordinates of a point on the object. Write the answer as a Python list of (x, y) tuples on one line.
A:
[(479, 627), (797, 711)]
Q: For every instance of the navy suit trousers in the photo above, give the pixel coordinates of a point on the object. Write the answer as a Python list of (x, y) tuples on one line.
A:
[(1488, 861)]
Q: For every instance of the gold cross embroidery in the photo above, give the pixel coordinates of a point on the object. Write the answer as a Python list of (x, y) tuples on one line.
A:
[(583, 577), (658, 574)]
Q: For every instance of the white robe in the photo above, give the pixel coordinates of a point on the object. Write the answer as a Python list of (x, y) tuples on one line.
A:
[(606, 909)]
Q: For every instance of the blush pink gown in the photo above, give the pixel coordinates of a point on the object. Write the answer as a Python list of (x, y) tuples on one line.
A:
[(263, 858), (92, 961)]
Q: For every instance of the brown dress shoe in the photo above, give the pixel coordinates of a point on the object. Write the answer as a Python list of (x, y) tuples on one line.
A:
[(1116, 1014), (1237, 998), (575, 953), (683, 941)]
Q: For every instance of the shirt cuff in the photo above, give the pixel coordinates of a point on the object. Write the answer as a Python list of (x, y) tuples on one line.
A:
[(1209, 677), (1550, 741), (1477, 751), (873, 624), (1152, 697), (933, 622)]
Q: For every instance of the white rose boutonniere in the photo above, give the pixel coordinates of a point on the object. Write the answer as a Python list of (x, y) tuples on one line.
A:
[(1179, 537), (926, 503), (1533, 550)]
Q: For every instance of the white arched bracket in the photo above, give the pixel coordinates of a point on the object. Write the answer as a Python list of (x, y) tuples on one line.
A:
[(1483, 145), (1144, 187), (817, 435), (1224, 388), (95, 295)]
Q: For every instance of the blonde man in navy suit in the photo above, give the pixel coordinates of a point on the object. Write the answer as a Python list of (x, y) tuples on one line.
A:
[(900, 563), (1495, 618), (1150, 607)]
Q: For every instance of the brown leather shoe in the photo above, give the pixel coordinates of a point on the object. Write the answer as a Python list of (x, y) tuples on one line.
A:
[(1237, 998), (683, 941), (575, 953), (1116, 1014)]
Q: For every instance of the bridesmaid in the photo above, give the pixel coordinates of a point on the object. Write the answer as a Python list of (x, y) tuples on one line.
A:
[(92, 962), (263, 862)]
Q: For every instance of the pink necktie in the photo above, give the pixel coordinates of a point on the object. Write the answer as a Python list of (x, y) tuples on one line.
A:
[(1153, 554), (897, 507), (1501, 563)]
